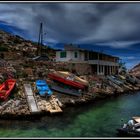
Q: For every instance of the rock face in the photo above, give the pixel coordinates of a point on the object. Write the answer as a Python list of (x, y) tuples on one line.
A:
[(14, 46), (15, 107), (136, 71)]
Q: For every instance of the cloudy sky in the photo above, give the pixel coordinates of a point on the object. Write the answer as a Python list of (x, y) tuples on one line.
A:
[(110, 27)]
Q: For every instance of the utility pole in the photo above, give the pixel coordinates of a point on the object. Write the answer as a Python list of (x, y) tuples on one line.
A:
[(40, 40), (98, 67)]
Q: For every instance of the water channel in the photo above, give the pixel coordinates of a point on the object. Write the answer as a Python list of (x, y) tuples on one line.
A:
[(97, 119)]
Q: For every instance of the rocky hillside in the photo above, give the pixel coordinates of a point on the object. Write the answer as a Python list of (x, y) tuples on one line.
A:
[(9, 42), (136, 71)]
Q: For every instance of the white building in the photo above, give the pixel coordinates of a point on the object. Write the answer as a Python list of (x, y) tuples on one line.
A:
[(101, 64)]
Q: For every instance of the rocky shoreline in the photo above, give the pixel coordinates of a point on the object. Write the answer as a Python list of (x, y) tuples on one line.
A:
[(19, 62), (96, 97), (17, 107)]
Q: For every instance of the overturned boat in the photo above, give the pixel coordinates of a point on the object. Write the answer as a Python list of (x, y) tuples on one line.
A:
[(43, 88), (131, 79), (6, 88), (114, 80), (66, 89), (68, 79)]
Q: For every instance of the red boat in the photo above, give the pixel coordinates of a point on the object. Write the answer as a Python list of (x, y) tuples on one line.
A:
[(6, 88), (67, 81)]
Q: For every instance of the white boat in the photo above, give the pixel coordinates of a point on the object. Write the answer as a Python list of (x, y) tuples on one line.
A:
[(131, 128)]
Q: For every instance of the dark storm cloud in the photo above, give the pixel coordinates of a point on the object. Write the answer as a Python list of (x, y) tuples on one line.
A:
[(76, 22)]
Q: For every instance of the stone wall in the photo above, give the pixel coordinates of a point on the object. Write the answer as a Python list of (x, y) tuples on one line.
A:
[(83, 69), (79, 68)]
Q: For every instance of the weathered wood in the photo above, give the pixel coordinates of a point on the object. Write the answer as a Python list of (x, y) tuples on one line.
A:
[(28, 90), (30, 99), (54, 107), (32, 104)]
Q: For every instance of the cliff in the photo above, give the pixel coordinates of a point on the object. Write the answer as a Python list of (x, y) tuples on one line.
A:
[(15, 43)]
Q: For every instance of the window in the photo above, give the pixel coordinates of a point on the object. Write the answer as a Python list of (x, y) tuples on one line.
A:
[(63, 54), (75, 54)]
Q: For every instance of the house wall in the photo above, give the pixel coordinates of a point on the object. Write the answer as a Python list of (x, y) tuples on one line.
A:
[(70, 56), (82, 56)]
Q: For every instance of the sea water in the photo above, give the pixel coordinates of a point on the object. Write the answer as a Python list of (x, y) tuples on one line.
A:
[(97, 119)]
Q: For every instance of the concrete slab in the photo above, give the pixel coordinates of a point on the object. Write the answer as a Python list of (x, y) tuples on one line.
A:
[(31, 99)]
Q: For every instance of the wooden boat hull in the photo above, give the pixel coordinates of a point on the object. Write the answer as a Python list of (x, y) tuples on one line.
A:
[(6, 88), (66, 81)]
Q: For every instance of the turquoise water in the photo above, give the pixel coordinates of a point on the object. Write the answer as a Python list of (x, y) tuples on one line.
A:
[(98, 119)]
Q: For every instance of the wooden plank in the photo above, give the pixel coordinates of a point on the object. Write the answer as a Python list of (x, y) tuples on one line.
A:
[(28, 90), (55, 111), (32, 104), (30, 99), (54, 106)]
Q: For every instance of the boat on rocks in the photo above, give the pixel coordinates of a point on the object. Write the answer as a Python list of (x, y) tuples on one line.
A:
[(66, 89), (6, 88), (131, 128), (114, 80), (132, 80), (68, 79), (43, 88)]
